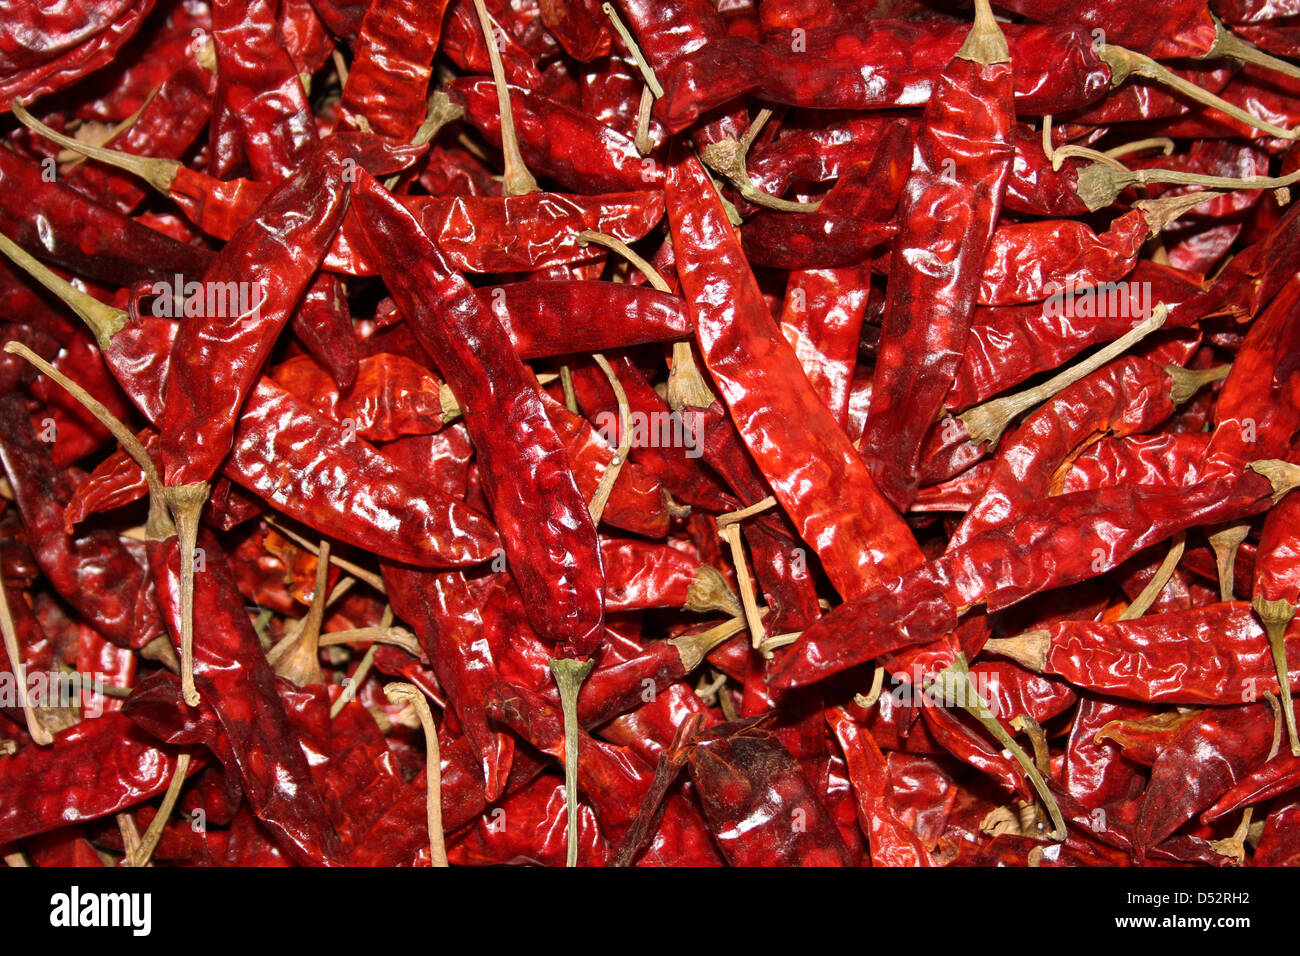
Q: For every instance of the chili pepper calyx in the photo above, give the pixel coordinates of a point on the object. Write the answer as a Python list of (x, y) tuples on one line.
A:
[(709, 592), (1029, 649), (985, 44)]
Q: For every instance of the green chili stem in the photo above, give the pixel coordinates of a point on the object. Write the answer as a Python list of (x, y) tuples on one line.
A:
[(569, 674)]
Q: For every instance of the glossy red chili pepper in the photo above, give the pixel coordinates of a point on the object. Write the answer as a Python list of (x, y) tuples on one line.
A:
[(852, 528), (218, 354), (937, 256), (231, 670), (545, 524), (1211, 655), (391, 65), (94, 572), (45, 49)]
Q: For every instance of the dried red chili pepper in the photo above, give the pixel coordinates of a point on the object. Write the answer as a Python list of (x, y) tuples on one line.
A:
[(937, 256), (544, 523)]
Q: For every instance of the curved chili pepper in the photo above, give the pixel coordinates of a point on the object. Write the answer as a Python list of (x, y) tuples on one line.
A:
[(1058, 542), (1206, 655), (101, 767), (560, 141), (230, 667), (759, 807), (274, 255), (45, 49), (1129, 395), (545, 524), (853, 529), (61, 226), (1208, 755), (1008, 344)]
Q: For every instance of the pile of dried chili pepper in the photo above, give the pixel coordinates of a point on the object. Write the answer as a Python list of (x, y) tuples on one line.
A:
[(658, 433)]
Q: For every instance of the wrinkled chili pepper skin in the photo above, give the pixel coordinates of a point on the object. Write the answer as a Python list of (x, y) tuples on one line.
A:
[(1277, 572), (950, 206), (101, 767), (563, 316), (1128, 395), (391, 66), (752, 793), (232, 674), (879, 64), (217, 357), (46, 48), (547, 531), (1203, 656), (451, 630), (855, 532), (1207, 756), (387, 512), (1057, 542), (1183, 28), (94, 571), (258, 86), (61, 226)]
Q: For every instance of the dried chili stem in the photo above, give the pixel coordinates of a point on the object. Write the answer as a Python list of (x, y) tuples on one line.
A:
[(1029, 649), (396, 636), (1187, 382), (1228, 44), (186, 503), (517, 180), (1162, 143), (644, 144), (987, 422), (1276, 616), (606, 486), (985, 43), (955, 682), (158, 173), (623, 249), (731, 534), (1142, 603), (709, 592), (400, 692), (1100, 185), (647, 72), (149, 842), (130, 835), (728, 158), (71, 159), (104, 320), (358, 678), (868, 700), (1225, 542), (569, 673), (300, 662), (735, 517), (1125, 63), (34, 726), (686, 388)]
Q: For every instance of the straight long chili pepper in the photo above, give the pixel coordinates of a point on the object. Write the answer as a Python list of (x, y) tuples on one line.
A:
[(949, 211)]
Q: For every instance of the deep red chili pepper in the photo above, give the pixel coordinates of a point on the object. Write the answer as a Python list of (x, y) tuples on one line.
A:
[(45, 49), (231, 671), (939, 253), (545, 524), (852, 528), (391, 65)]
